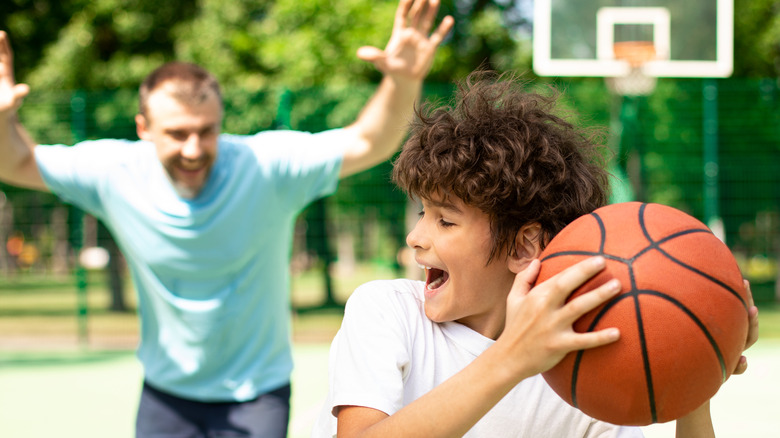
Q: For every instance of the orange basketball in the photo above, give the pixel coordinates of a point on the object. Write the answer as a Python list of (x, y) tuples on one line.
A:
[(682, 314)]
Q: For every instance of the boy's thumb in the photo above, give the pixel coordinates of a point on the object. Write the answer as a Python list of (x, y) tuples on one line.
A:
[(525, 279)]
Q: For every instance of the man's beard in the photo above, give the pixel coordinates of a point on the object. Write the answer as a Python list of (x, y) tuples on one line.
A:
[(183, 190)]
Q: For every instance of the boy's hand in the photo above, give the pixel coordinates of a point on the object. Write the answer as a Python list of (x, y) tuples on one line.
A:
[(699, 422), (752, 335), (538, 331), (11, 93), (410, 51)]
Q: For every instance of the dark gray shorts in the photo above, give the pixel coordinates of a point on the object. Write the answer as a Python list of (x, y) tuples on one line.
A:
[(162, 415)]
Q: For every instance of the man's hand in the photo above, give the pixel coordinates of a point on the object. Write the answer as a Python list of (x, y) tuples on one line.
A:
[(409, 53), (11, 93)]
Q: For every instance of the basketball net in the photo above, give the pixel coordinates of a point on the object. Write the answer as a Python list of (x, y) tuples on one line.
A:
[(636, 82)]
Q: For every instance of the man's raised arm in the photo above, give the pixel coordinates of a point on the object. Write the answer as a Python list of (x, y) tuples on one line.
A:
[(382, 124), (17, 160)]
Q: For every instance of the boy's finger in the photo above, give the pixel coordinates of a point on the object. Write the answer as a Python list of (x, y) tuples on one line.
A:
[(592, 299), (582, 341), (752, 327), (741, 366), (752, 335), (564, 283), (524, 281)]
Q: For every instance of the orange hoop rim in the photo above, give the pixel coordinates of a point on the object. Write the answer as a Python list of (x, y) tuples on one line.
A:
[(636, 53)]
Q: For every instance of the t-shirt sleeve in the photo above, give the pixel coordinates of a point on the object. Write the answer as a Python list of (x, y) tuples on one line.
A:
[(370, 354), (75, 173), (304, 166)]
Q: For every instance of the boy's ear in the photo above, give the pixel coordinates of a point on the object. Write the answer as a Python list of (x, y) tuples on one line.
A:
[(527, 247)]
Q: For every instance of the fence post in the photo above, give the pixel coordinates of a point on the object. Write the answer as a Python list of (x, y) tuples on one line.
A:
[(78, 105), (711, 167)]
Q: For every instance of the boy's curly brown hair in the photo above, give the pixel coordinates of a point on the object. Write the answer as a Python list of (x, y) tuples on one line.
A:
[(503, 150)]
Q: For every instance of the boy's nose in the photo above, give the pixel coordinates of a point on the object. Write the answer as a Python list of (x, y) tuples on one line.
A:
[(415, 239)]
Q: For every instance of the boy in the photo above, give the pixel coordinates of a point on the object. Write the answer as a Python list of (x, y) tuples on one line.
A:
[(460, 353)]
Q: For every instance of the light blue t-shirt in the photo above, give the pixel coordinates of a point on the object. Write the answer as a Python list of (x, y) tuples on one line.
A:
[(212, 273)]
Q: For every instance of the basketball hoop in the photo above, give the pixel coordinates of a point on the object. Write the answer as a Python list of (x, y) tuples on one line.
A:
[(636, 82)]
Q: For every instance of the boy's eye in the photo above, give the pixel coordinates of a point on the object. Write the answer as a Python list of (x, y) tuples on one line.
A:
[(445, 224)]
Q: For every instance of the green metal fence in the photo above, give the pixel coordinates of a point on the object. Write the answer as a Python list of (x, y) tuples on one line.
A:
[(709, 147)]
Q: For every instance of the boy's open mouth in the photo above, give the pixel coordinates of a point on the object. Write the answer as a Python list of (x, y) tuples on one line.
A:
[(434, 278)]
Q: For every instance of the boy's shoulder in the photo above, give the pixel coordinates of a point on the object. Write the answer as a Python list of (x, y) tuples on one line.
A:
[(399, 304), (386, 292)]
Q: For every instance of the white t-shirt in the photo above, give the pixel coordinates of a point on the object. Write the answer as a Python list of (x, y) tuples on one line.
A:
[(388, 353)]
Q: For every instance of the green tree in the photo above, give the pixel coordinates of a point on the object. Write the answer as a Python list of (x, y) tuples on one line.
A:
[(756, 38)]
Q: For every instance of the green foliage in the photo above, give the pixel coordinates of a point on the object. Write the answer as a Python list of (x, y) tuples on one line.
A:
[(94, 44), (756, 38), (292, 64)]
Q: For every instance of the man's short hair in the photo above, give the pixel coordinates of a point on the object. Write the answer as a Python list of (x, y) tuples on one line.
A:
[(502, 149), (191, 84)]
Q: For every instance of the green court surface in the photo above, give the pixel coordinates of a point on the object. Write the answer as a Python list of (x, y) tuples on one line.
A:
[(94, 394)]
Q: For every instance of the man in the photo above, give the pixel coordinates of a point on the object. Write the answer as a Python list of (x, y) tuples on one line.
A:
[(205, 222)]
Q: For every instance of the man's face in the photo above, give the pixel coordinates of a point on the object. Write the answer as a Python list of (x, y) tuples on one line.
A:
[(452, 241), (185, 137)]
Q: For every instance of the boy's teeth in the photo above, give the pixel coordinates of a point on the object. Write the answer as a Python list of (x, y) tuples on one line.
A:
[(435, 283)]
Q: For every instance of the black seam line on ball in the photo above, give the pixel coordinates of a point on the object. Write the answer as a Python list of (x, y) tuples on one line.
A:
[(705, 275), (602, 231), (702, 326), (587, 253), (578, 359), (645, 360), (636, 293), (657, 246)]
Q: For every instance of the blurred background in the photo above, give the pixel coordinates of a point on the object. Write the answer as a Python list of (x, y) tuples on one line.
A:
[(291, 64)]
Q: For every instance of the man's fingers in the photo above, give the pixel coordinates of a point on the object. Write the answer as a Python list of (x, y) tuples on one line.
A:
[(6, 55), (369, 53), (5, 46), (429, 17), (401, 12), (416, 13), (21, 91), (441, 32)]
